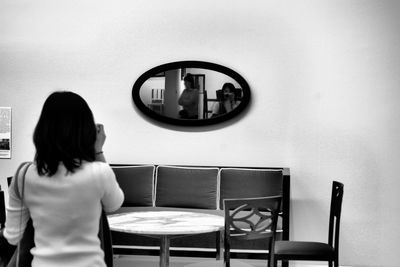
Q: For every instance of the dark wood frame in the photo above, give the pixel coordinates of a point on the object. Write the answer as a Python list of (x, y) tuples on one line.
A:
[(190, 64), (285, 207)]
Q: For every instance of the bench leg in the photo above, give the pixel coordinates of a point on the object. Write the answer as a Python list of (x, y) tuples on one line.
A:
[(219, 243)]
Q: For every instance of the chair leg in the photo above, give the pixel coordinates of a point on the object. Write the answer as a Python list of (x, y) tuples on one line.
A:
[(227, 258), (227, 253), (330, 264), (285, 263), (336, 263), (273, 264)]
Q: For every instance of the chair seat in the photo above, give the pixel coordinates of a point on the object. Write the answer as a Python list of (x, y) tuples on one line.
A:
[(299, 250), (233, 263)]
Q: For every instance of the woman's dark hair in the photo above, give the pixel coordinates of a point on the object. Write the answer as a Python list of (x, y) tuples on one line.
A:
[(230, 86), (65, 132), (189, 78)]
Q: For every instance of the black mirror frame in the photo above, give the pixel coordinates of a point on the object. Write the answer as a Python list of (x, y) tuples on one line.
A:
[(190, 64)]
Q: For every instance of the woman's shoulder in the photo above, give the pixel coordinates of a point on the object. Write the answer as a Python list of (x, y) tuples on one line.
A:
[(99, 171), (97, 166)]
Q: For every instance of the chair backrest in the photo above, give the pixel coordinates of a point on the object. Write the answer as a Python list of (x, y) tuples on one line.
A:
[(334, 218), (251, 218), (3, 205), (2, 210)]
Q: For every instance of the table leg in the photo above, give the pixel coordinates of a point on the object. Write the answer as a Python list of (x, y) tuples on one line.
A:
[(164, 251)]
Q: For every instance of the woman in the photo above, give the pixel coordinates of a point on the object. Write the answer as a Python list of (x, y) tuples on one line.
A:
[(227, 102), (66, 187), (189, 99)]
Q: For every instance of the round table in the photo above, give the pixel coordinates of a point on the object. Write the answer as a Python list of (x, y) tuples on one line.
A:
[(165, 225)]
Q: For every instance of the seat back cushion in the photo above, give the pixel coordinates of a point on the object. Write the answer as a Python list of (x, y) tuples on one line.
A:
[(249, 183), (186, 187), (137, 183)]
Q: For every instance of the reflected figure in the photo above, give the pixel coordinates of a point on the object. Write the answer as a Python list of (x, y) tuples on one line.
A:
[(189, 99), (227, 102)]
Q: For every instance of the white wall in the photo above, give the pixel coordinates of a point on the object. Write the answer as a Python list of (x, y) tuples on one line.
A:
[(324, 77)]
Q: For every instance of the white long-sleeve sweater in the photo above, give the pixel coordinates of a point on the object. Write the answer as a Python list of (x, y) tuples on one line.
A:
[(65, 210)]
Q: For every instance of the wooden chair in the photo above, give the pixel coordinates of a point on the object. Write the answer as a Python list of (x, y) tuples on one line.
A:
[(316, 251), (2, 210), (259, 222), (6, 250), (248, 219)]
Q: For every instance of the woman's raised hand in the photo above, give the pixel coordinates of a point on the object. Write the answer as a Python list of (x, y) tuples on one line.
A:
[(100, 138)]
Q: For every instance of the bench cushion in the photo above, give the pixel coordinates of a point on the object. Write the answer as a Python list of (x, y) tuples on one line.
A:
[(186, 187), (137, 183), (249, 183)]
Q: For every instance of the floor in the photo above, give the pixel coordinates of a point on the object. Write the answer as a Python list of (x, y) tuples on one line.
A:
[(151, 261)]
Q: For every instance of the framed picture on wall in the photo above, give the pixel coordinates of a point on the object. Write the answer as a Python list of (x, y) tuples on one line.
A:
[(5, 132)]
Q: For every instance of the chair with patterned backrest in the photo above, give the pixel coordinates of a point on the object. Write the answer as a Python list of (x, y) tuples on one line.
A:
[(316, 251), (247, 219)]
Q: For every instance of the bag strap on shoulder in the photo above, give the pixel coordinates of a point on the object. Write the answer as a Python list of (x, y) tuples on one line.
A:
[(17, 176)]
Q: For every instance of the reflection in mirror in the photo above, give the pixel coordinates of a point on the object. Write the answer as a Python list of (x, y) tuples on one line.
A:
[(191, 93)]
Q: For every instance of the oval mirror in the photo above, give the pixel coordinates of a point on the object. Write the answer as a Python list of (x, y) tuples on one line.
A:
[(191, 93)]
